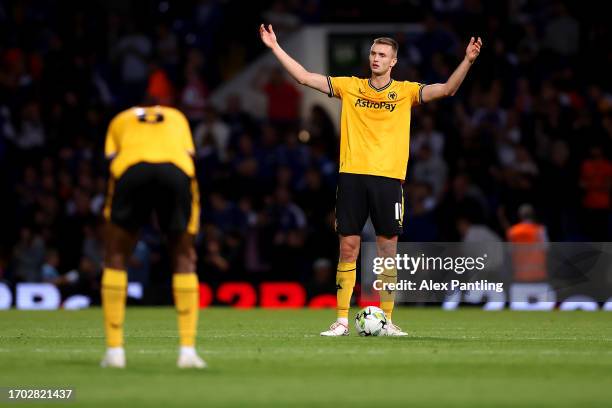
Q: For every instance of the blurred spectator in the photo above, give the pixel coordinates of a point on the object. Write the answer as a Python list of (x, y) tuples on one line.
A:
[(596, 181), (562, 33), (523, 163), (321, 129), (84, 279), (419, 217), (283, 99), (50, 273), (30, 133), (238, 120), (491, 117), (167, 46), (289, 219), (139, 264), (293, 155), (289, 223), (435, 39), (283, 20), (214, 129), (523, 99), (428, 135), (49, 270), (475, 232), (193, 98), (214, 261), (224, 214), (530, 246), (430, 169), (446, 7), (320, 278), (463, 199), (159, 87), (315, 197), (131, 53), (560, 195), (93, 244), (99, 196), (507, 140), (28, 256)]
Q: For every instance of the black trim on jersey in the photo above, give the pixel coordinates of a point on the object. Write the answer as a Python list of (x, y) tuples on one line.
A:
[(331, 89), (379, 89), (347, 270), (421, 92)]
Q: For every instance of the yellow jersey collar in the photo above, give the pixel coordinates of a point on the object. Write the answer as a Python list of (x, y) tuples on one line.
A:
[(382, 88)]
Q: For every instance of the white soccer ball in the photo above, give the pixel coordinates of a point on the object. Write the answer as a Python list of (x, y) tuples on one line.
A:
[(370, 321)]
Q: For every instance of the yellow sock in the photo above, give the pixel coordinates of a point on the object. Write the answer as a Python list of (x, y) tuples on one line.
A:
[(346, 275), (114, 286), (186, 300), (387, 297)]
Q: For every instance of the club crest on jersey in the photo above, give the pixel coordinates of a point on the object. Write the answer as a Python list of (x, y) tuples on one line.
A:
[(364, 103), (392, 95)]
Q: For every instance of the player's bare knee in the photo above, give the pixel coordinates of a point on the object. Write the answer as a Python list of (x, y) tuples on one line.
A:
[(185, 264), (386, 246), (349, 250), (115, 261), (387, 251), (186, 261)]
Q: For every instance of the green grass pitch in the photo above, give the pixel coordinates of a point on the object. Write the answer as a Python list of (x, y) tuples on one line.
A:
[(464, 358)]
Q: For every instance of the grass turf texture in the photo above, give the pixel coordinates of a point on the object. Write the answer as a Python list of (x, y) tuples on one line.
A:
[(465, 358)]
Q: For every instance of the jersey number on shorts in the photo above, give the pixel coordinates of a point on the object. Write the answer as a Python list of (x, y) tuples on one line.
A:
[(398, 212)]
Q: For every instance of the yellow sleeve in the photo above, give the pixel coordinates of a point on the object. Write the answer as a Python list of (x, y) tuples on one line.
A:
[(111, 146), (186, 135), (415, 90), (337, 86)]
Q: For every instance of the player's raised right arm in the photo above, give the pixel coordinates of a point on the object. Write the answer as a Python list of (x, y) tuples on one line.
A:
[(297, 71)]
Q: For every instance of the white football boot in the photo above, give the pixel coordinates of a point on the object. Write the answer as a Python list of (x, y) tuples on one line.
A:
[(393, 330), (336, 329), (114, 358), (188, 358)]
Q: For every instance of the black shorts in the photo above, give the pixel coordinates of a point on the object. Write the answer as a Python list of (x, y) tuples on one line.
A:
[(154, 188), (360, 195)]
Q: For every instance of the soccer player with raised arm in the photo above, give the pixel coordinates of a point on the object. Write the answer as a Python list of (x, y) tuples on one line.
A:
[(151, 172), (374, 141)]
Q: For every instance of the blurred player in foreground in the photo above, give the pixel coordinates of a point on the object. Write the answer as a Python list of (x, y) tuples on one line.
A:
[(151, 171), (375, 135)]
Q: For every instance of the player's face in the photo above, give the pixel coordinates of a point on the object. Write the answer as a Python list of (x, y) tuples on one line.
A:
[(382, 58)]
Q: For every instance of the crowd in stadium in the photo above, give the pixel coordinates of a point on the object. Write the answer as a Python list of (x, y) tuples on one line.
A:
[(529, 125)]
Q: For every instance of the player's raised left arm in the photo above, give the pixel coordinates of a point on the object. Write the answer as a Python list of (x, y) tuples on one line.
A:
[(450, 87)]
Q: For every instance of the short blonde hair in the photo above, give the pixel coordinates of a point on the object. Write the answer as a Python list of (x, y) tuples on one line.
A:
[(387, 41)]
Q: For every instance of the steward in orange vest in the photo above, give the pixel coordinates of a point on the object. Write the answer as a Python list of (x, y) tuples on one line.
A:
[(530, 246)]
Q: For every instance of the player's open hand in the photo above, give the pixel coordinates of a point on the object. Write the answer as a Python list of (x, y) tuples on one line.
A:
[(267, 35), (473, 49)]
